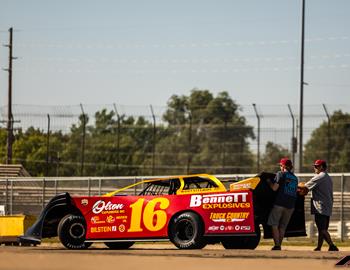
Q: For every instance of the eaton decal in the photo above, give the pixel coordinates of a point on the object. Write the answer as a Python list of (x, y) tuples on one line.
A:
[(106, 208)]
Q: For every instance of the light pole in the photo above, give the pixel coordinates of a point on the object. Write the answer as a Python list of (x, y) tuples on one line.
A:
[(301, 88)]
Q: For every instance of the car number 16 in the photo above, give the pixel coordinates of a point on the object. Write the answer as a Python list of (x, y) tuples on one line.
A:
[(149, 215)]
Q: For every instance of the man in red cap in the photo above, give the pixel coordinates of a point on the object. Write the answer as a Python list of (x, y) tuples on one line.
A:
[(285, 184), (321, 187)]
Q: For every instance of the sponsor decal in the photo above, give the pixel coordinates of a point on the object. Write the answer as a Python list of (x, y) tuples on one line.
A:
[(242, 186), (96, 220), (213, 228), (229, 216), (121, 217), (106, 207), (220, 201), (222, 227), (84, 202), (110, 219), (103, 229), (196, 190), (121, 228)]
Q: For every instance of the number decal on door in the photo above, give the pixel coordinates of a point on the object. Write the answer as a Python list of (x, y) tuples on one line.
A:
[(149, 215)]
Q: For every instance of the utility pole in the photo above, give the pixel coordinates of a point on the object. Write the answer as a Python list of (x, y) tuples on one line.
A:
[(9, 112), (301, 88)]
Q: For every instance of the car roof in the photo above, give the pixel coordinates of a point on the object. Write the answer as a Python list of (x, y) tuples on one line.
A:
[(202, 175)]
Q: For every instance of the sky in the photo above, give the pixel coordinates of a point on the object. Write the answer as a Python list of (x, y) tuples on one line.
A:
[(143, 52)]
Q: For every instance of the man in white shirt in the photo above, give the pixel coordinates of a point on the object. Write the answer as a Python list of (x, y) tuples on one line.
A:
[(321, 187)]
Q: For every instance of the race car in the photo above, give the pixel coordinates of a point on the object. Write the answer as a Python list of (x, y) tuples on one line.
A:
[(189, 210)]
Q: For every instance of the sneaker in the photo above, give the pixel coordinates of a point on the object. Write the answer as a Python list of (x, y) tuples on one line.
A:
[(333, 248), (276, 248), (317, 249)]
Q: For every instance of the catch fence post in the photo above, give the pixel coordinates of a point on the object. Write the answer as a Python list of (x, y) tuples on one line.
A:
[(342, 207), (89, 187), (43, 194), (258, 139), (7, 197), (55, 186), (11, 198)]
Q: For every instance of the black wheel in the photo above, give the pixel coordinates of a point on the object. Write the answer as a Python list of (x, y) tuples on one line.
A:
[(186, 231), (119, 245), (242, 242), (71, 232)]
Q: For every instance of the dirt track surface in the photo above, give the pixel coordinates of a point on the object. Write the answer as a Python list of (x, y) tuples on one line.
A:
[(151, 256)]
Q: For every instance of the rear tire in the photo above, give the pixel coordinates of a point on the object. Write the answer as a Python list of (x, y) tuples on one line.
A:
[(243, 242), (72, 231), (119, 245), (186, 231)]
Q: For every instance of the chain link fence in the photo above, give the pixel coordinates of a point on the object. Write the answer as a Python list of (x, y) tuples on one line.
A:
[(277, 124)]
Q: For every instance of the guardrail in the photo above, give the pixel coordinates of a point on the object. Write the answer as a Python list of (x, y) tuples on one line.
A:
[(30, 195)]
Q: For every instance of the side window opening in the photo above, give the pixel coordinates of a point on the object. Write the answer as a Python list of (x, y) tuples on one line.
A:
[(165, 187), (198, 182)]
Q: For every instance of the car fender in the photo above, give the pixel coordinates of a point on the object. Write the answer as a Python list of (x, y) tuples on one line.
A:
[(46, 224)]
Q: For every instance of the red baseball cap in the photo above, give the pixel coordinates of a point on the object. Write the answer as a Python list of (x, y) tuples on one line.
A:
[(285, 162), (320, 162)]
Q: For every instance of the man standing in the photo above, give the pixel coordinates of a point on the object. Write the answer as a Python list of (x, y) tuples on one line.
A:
[(321, 187), (285, 184)]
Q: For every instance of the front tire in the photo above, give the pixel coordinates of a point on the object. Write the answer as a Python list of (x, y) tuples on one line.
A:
[(119, 245), (72, 231), (186, 231)]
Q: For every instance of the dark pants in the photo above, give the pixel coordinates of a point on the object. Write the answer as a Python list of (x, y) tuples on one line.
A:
[(322, 222)]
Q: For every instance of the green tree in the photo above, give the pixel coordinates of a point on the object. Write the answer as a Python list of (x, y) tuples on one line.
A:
[(103, 156), (337, 149), (205, 134), (3, 138), (271, 157)]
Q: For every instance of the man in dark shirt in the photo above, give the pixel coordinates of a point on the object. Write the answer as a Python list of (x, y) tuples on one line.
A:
[(285, 184)]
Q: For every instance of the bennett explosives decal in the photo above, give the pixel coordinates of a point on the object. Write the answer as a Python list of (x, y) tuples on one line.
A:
[(106, 208), (220, 201)]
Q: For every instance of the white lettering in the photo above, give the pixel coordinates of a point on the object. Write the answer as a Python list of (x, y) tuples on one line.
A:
[(198, 200), (100, 206)]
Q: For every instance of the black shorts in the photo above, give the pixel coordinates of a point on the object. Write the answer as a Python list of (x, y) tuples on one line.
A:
[(322, 222)]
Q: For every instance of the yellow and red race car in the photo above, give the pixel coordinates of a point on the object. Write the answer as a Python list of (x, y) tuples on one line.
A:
[(190, 211)]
